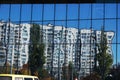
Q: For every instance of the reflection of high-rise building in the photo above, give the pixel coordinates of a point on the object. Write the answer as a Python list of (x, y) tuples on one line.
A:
[(15, 40), (64, 40), (77, 45), (61, 40), (62, 45), (2, 56), (2, 48)]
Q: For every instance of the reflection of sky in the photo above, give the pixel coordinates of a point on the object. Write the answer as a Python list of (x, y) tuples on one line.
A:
[(95, 16)]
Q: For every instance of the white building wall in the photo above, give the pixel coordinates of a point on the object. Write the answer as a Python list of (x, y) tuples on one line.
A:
[(60, 44), (18, 34), (2, 48), (87, 48)]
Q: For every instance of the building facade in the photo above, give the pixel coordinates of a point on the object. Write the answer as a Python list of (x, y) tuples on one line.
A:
[(62, 45), (2, 48), (15, 40)]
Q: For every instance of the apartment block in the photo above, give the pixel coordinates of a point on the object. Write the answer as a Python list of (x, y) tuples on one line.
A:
[(15, 40), (62, 45), (70, 44)]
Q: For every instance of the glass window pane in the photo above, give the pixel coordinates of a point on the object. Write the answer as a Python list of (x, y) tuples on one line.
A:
[(97, 24), (28, 79), (85, 24), (60, 12), (5, 78), (97, 11), (110, 25), (114, 52), (72, 24), (26, 12), (49, 23), (4, 11), (85, 11), (118, 57), (37, 12), (72, 11), (118, 31), (118, 10), (48, 12), (15, 12), (18, 78), (110, 10), (60, 23), (38, 22)]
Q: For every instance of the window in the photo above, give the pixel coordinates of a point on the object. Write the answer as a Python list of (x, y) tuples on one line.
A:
[(109, 37), (35, 79), (5, 78), (24, 39), (28, 79), (18, 78)]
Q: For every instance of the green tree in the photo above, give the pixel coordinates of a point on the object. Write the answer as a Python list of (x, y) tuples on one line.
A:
[(114, 72), (3, 66), (70, 70), (25, 70), (92, 76), (36, 50), (104, 58), (64, 75), (72, 74), (4, 70)]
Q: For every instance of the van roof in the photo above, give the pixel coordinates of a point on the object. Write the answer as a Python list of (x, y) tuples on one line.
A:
[(18, 75)]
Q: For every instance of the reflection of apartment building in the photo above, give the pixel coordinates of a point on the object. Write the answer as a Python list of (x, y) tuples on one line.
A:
[(62, 41), (14, 39), (62, 45), (89, 38), (59, 41), (78, 45), (2, 56), (2, 48)]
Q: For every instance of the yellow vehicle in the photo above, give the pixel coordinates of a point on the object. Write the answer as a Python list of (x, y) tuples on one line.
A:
[(17, 77)]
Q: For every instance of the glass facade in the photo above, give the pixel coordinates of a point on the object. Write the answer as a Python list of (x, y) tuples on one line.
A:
[(72, 26)]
